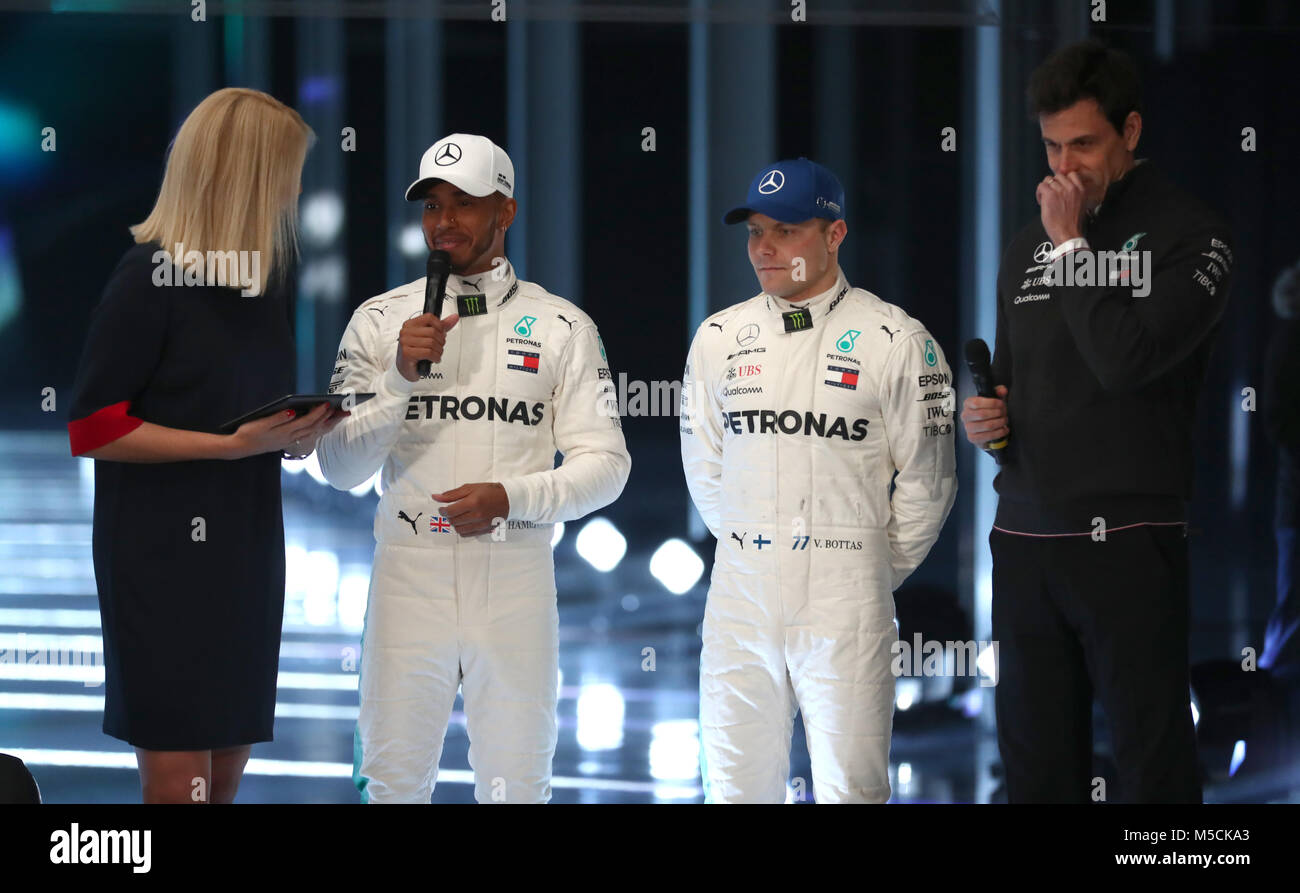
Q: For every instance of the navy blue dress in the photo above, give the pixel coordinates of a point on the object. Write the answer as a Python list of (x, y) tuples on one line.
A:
[(191, 609)]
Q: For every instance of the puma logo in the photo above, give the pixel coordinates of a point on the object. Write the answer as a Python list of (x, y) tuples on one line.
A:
[(475, 283), (380, 309), (740, 539), (411, 521), (891, 335), (562, 319), (717, 324)]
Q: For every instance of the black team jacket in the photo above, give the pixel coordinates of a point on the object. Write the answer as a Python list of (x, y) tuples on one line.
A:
[(1102, 383)]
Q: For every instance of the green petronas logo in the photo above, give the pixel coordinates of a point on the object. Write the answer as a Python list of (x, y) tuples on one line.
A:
[(846, 340), (1132, 242), (525, 326), (930, 356)]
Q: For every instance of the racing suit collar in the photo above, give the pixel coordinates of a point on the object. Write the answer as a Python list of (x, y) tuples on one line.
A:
[(819, 305), (497, 286)]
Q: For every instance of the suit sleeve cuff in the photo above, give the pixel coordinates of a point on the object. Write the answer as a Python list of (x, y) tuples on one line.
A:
[(393, 383), (1066, 247), (517, 494)]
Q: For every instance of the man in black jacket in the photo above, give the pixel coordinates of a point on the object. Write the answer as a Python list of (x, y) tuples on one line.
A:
[(1107, 306)]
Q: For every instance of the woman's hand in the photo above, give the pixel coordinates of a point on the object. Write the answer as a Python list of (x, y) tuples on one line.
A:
[(284, 432), (303, 447)]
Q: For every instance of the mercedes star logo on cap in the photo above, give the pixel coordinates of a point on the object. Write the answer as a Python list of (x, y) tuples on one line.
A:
[(772, 182), (450, 154)]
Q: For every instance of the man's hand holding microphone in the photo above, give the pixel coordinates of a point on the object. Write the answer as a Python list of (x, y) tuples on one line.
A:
[(422, 337), (984, 416)]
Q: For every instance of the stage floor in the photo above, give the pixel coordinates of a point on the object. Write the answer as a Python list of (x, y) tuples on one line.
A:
[(626, 734)]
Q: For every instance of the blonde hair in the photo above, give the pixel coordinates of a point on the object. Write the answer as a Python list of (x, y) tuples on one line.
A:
[(231, 184)]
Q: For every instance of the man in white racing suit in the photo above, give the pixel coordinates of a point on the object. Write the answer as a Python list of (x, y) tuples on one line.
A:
[(800, 408), (462, 592)]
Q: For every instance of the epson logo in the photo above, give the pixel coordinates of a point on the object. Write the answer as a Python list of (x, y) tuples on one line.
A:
[(472, 409), (931, 378), (770, 421)]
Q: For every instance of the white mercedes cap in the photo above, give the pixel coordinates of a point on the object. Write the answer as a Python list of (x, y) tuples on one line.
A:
[(467, 161)]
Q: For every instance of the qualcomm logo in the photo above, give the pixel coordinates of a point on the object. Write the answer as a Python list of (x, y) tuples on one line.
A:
[(846, 340), (525, 326)]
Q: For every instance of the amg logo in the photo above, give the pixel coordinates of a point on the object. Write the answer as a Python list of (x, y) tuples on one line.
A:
[(769, 421), (473, 408)]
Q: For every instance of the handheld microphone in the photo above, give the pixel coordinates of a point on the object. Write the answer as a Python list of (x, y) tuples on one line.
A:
[(981, 372), (437, 269)]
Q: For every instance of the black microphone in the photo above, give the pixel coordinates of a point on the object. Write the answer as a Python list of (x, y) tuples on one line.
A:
[(981, 372), (436, 270)]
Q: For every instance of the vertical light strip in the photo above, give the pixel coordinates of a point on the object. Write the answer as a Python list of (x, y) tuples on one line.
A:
[(413, 74), (698, 194), (1164, 30), (517, 123), (322, 275), (986, 234), (555, 184)]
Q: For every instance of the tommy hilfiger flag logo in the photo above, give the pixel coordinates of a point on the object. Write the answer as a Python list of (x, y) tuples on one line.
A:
[(523, 360), (842, 377), (439, 524)]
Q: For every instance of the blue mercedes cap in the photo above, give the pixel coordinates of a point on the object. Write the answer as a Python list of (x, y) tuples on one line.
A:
[(792, 191)]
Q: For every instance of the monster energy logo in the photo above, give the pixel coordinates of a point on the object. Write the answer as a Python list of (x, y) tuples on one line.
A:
[(930, 357), (471, 305), (525, 326), (846, 340), (797, 320)]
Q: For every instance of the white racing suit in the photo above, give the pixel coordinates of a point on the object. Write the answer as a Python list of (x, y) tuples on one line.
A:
[(523, 375), (792, 429)]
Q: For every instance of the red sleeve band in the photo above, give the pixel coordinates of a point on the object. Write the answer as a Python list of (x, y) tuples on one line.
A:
[(100, 427)]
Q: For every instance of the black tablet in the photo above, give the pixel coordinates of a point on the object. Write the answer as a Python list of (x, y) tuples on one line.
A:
[(303, 402)]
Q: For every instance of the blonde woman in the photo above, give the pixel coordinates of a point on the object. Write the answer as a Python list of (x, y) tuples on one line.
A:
[(192, 331)]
